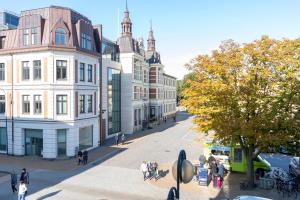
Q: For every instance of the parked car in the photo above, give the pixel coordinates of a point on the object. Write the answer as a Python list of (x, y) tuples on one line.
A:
[(278, 173), (294, 166)]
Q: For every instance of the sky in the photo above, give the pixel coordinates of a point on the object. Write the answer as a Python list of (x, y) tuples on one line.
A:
[(185, 28)]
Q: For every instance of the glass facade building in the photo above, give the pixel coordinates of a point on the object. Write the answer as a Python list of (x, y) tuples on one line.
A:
[(114, 100)]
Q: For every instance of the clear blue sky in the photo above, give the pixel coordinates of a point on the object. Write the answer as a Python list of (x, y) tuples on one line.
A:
[(185, 28)]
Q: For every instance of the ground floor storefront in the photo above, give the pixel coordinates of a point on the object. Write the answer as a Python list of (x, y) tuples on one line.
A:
[(49, 139)]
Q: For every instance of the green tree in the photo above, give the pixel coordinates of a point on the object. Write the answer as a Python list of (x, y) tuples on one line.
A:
[(181, 85), (248, 94)]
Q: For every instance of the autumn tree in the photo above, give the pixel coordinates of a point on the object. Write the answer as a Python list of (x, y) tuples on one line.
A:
[(181, 85), (248, 94)]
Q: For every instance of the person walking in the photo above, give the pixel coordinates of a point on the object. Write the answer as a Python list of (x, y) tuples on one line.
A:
[(24, 176), (123, 138), (155, 170), (85, 157), (144, 169), (117, 139), (22, 191), (149, 169), (220, 170), (79, 157), (14, 181)]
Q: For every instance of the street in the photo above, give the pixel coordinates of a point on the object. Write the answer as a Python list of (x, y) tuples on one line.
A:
[(118, 177)]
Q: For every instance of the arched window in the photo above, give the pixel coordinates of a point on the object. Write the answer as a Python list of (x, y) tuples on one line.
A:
[(60, 36)]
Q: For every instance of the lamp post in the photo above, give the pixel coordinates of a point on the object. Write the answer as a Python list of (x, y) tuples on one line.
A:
[(183, 171), (5, 121)]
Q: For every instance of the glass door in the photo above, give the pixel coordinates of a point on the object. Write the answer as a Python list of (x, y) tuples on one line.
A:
[(61, 142)]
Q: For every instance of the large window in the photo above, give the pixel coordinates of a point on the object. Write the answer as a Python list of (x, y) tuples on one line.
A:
[(25, 37), (61, 142), (82, 104), (90, 103), (60, 36), (2, 104), (90, 73), (86, 41), (61, 69), (34, 36), (36, 69), (61, 104), (85, 137), (3, 139), (2, 72), (25, 70), (137, 72), (26, 104), (114, 101), (81, 72), (238, 155), (37, 104)]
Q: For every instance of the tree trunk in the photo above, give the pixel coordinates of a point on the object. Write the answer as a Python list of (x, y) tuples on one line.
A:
[(250, 167)]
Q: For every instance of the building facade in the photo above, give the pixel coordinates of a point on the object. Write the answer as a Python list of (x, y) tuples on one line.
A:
[(143, 82), (64, 88), (49, 80)]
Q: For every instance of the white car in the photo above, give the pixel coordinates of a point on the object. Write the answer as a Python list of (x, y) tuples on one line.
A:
[(246, 197), (294, 166)]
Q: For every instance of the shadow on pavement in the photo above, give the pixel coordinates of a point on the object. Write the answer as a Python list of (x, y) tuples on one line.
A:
[(49, 195), (180, 116), (44, 177)]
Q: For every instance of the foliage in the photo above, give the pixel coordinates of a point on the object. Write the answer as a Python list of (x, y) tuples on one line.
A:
[(181, 85), (248, 94)]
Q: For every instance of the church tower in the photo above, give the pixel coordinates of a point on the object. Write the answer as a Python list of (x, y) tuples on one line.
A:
[(151, 40), (126, 23)]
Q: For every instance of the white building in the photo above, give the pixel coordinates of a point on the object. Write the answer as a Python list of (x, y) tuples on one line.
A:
[(142, 81), (49, 81)]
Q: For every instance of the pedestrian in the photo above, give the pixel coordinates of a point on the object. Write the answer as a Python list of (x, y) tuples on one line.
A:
[(210, 159), (22, 191), (117, 139), (155, 169), (165, 118), (123, 138), (220, 170), (85, 157), (144, 169), (149, 169), (202, 160), (14, 181), (24, 176), (79, 157)]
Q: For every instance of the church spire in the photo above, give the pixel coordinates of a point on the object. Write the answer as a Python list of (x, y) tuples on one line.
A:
[(151, 40), (126, 23)]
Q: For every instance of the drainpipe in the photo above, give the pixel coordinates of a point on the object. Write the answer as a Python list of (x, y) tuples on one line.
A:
[(11, 104), (100, 91)]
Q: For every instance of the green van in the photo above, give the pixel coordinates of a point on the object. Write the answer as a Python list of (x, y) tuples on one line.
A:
[(234, 159)]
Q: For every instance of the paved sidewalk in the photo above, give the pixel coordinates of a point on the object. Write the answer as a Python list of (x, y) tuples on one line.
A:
[(9, 163)]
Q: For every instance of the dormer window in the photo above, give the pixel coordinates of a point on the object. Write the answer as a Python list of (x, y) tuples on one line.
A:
[(34, 36), (26, 37), (86, 41), (60, 36)]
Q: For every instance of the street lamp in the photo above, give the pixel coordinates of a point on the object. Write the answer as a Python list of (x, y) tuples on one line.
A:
[(5, 121), (183, 171)]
